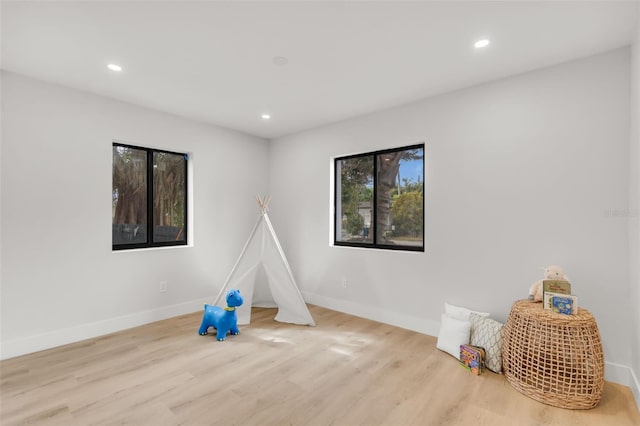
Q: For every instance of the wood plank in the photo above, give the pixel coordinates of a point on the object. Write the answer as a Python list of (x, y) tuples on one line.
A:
[(345, 371)]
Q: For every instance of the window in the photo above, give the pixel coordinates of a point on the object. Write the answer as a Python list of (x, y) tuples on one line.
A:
[(379, 199), (149, 205)]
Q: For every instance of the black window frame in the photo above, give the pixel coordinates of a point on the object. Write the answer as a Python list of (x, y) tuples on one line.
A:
[(374, 224), (150, 223)]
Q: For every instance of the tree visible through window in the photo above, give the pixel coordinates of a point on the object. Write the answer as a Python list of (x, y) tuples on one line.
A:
[(149, 198), (380, 199)]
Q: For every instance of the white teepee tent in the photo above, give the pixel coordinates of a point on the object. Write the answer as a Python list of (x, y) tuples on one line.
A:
[(264, 277)]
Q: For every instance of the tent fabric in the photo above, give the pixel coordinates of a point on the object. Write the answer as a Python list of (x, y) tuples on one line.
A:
[(264, 278)]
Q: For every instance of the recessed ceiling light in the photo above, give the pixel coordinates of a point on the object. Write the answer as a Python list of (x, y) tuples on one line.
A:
[(266, 116), (280, 60), (114, 67), (481, 43)]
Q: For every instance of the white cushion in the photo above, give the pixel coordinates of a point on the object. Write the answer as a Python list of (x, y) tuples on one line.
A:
[(487, 333), (453, 333), (461, 313)]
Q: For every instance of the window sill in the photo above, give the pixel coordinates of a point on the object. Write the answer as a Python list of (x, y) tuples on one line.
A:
[(152, 249)]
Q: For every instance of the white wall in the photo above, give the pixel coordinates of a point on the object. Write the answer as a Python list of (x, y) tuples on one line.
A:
[(520, 173), (61, 281), (634, 212)]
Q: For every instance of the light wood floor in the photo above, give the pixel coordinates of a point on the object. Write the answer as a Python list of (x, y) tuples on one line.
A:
[(345, 371)]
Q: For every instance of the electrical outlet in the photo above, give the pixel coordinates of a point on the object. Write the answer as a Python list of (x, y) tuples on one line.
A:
[(345, 282), (163, 286)]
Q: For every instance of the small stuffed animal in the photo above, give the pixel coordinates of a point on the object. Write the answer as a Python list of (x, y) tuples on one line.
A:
[(552, 272), (223, 320)]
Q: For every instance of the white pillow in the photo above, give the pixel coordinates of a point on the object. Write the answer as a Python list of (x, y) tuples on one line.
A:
[(453, 333), (461, 313)]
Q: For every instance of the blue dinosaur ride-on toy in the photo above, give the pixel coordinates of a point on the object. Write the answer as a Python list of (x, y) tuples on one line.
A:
[(223, 320)]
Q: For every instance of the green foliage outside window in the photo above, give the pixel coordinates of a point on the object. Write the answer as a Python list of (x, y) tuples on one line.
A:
[(381, 200)]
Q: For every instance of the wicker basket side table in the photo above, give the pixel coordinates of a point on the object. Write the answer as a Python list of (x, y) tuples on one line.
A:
[(553, 358)]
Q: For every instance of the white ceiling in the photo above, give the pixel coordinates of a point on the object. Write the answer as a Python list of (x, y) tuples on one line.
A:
[(213, 61)]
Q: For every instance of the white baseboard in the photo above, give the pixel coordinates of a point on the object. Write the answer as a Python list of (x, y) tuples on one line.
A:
[(623, 375), (397, 319), (616, 373), (30, 344)]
